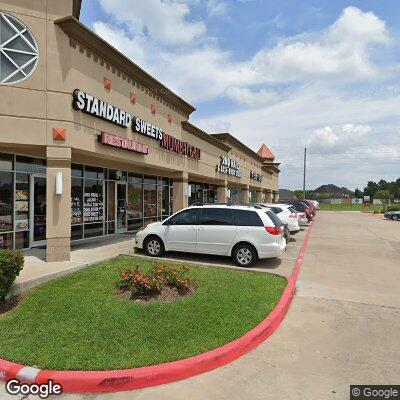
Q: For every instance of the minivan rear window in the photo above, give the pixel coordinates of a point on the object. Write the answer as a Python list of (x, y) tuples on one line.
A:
[(277, 222), (247, 218), (276, 210)]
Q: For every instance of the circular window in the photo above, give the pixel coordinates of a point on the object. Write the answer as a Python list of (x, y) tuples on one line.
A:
[(18, 50)]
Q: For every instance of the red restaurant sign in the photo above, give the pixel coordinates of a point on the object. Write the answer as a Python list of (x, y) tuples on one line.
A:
[(168, 142), (123, 143)]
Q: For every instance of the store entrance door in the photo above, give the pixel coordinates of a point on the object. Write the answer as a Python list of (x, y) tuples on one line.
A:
[(38, 211), (121, 205)]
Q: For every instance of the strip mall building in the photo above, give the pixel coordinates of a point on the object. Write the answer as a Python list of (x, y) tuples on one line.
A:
[(91, 145)]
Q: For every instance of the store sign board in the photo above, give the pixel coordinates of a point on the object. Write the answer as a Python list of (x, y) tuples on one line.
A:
[(255, 176), (147, 129), (170, 143), (229, 166), (98, 108), (123, 143)]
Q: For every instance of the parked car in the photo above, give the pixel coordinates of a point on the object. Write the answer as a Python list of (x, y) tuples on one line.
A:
[(301, 216), (394, 215), (311, 205), (245, 233), (286, 215), (316, 204), (302, 207)]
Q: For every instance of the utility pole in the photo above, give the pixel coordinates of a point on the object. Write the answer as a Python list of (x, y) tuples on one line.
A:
[(304, 173)]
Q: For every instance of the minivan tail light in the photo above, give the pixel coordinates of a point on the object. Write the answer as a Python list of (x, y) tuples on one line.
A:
[(273, 230)]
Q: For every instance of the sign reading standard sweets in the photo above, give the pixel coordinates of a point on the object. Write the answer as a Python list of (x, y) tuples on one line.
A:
[(98, 108), (229, 167)]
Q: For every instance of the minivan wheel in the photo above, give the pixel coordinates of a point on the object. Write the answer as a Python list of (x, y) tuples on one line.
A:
[(244, 255), (154, 247), (395, 217)]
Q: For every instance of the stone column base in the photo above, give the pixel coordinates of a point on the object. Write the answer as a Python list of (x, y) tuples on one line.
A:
[(58, 249)]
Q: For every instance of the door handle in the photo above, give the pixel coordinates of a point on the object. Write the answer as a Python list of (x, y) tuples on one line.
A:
[(192, 229), (200, 229)]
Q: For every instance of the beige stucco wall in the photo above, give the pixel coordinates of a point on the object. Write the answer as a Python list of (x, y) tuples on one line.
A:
[(29, 111)]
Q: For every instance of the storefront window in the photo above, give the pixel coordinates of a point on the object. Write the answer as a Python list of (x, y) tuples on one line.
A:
[(6, 162), (150, 200), (76, 201), (93, 201), (6, 202), (31, 165), (22, 202)]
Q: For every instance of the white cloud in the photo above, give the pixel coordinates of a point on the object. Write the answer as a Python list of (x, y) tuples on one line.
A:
[(336, 139), (216, 8), (165, 21), (343, 50), (244, 95)]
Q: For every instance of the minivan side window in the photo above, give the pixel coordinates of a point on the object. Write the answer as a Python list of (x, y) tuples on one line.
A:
[(276, 210), (216, 216), (247, 218), (185, 217)]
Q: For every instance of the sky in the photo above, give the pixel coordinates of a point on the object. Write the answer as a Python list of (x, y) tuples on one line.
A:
[(320, 74)]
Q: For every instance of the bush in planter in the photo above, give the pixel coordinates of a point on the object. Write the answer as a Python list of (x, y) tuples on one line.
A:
[(393, 208), (11, 264), (152, 283)]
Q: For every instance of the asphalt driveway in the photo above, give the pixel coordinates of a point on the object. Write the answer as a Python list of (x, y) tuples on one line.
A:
[(343, 326)]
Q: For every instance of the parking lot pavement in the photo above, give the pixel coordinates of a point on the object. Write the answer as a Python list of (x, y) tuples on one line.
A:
[(282, 265), (342, 327)]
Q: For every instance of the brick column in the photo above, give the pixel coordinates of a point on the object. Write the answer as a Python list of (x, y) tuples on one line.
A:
[(245, 195), (222, 193), (259, 196), (58, 214), (180, 192), (268, 196)]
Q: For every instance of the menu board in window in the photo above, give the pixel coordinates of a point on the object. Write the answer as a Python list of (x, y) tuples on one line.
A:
[(76, 210), (93, 207)]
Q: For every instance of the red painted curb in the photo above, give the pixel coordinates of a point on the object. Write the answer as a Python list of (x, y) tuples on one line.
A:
[(129, 379)]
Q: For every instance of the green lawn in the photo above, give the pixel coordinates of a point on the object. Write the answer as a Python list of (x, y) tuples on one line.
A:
[(350, 207), (77, 323)]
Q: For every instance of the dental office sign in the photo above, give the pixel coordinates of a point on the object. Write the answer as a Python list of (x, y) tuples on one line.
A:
[(98, 108), (229, 167)]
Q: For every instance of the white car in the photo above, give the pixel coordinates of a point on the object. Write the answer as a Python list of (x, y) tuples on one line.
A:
[(286, 215), (301, 216), (246, 233), (316, 204)]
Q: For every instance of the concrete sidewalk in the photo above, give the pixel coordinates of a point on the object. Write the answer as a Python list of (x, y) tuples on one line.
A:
[(37, 271)]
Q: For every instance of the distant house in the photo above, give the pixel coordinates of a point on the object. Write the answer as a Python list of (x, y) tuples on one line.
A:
[(334, 191)]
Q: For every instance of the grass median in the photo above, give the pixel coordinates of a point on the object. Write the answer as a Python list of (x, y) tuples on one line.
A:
[(350, 207), (78, 323)]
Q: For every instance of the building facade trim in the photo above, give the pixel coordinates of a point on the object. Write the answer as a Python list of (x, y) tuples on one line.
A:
[(76, 30)]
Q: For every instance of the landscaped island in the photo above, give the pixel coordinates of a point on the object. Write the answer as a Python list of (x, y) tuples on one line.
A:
[(78, 322)]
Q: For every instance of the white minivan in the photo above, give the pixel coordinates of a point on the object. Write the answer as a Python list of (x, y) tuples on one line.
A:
[(246, 233)]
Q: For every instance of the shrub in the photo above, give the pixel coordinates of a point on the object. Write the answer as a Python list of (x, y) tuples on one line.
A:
[(393, 208), (172, 276), (159, 276), (11, 264)]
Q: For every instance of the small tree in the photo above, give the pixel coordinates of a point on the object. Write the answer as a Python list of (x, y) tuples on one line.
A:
[(384, 195), (358, 193)]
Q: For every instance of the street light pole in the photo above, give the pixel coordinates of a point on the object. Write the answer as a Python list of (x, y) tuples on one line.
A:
[(304, 173)]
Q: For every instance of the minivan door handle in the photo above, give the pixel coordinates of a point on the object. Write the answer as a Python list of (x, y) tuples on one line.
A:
[(201, 228), (192, 228)]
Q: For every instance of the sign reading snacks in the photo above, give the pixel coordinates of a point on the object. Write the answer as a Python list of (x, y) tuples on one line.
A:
[(123, 143), (256, 176), (229, 167), (178, 146)]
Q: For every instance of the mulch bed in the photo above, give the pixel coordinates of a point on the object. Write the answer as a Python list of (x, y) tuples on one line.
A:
[(167, 295), (9, 304)]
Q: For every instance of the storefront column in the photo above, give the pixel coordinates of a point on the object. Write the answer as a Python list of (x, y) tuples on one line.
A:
[(58, 213), (259, 196), (245, 195), (180, 192), (268, 196), (222, 193)]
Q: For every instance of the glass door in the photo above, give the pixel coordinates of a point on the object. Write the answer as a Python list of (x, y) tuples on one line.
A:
[(121, 206), (38, 214)]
